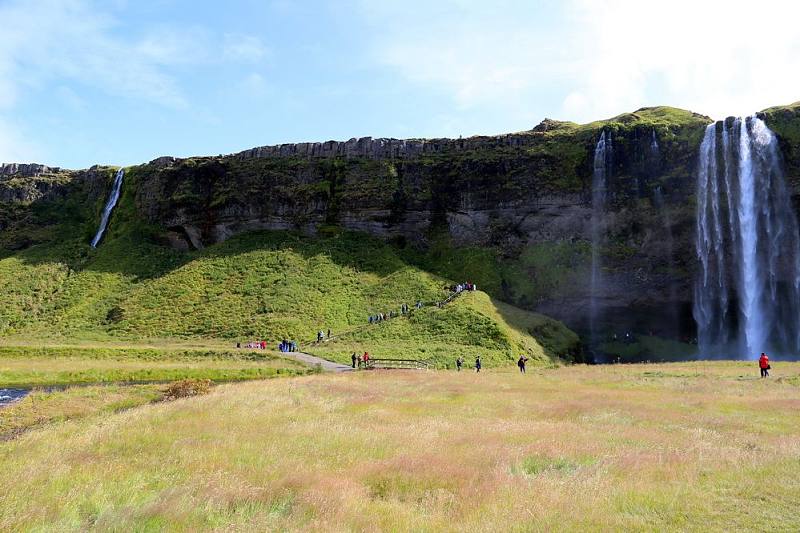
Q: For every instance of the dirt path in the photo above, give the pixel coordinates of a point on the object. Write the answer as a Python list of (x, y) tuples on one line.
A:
[(328, 366)]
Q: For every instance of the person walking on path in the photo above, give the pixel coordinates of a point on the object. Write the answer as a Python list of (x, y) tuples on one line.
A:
[(459, 363), (478, 364), (763, 364), (354, 359), (521, 363), (366, 359)]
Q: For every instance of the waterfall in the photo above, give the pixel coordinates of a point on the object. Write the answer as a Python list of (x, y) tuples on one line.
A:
[(603, 158), (654, 150), (112, 201), (747, 290)]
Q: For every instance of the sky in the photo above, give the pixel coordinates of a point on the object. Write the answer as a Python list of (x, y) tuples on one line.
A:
[(122, 82)]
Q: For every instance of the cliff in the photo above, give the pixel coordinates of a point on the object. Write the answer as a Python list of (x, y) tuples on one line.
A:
[(509, 212)]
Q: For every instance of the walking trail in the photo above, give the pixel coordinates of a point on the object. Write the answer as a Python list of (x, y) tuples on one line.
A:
[(328, 366)]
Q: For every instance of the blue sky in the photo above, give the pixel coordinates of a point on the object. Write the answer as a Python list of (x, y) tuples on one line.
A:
[(122, 82)]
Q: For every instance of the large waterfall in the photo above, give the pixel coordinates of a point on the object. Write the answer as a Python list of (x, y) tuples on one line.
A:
[(603, 158), (747, 291), (110, 203)]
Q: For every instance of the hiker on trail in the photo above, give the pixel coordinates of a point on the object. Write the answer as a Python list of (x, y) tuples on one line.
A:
[(478, 364), (521, 363), (359, 361), (263, 345), (329, 334), (366, 359), (763, 364), (419, 304), (354, 359), (320, 335), (459, 363)]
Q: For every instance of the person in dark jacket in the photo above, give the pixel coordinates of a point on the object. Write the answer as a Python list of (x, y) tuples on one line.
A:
[(355, 358), (459, 363), (521, 363), (478, 364)]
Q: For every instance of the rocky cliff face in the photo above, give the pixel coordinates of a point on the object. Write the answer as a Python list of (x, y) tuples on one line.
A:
[(511, 212), (523, 198)]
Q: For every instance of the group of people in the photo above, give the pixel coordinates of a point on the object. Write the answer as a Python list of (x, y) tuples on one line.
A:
[(478, 364), (460, 363), (461, 287), (321, 335), (254, 345), (359, 360), (287, 346), (284, 346)]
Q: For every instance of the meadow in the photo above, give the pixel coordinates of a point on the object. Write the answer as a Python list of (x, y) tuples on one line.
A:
[(667, 447)]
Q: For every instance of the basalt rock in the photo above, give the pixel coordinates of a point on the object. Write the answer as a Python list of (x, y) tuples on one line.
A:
[(522, 199)]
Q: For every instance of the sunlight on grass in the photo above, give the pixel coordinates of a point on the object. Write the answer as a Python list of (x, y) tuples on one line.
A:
[(625, 447)]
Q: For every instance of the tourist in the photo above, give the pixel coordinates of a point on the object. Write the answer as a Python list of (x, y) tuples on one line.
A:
[(521, 363), (263, 345), (329, 334), (459, 363), (354, 359), (478, 364), (360, 360), (366, 359), (763, 364)]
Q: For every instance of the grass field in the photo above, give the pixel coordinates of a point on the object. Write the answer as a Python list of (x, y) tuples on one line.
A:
[(671, 447), (24, 366)]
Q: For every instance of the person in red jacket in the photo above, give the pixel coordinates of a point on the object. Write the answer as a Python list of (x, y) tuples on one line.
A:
[(763, 364)]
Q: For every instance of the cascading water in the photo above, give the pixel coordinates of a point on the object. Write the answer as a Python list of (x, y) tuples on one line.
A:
[(747, 291), (112, 201), (654, 150), (603, 158)]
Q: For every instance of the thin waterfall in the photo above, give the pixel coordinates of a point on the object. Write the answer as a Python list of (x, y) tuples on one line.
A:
[(603, 158), (654, 150), (110, 204), (748, 248)]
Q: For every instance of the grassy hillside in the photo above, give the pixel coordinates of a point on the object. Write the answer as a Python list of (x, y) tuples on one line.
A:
[(473, 324), (678, 447), (261, 285)]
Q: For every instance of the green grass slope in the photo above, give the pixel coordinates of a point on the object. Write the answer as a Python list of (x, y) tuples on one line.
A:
[(260, 285), (472, 324)]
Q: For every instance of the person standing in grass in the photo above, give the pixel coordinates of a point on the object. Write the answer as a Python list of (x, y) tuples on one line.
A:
[(478, 364), (359, 361), (459, 363), (763, 364), (354, 357), (521, 363), (366, 359)]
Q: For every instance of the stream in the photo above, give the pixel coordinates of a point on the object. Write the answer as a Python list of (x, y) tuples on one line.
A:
[(9, 396)]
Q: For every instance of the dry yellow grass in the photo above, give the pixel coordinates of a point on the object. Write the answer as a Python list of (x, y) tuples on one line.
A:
[(696, 446)]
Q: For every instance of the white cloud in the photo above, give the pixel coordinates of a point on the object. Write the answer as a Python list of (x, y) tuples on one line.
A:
[(602, 57), (244, 48), (61, 46), (14, 146)]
